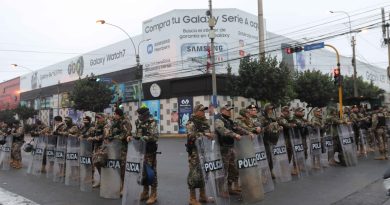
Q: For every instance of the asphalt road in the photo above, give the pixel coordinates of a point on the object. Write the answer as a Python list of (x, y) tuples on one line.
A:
[(361, 184)]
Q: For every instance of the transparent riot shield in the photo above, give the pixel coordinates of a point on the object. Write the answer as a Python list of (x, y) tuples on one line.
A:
[(72, 170), (6, 153), (328, 151), (387, 134), (38, 155), (353, 145), (110, 174), (50, 155), (86, 166), (213, 171), (299, 165), (363, 143), (59, 162), (261, 157), (250, 178), (346, 141), (281, 168), (132, 187), (315, 147), (29, 158)]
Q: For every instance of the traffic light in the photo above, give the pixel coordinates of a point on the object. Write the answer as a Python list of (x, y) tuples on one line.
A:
[(338, 78), (291, 50)]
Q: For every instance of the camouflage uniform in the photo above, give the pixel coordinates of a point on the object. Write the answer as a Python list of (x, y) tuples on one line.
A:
[(379, 127), (226, 131), (18, 139), (120, 129), (146, 129), (301, 124), (39, 130), (100, 132), (197, 126), (271, 129), (331, 123), (286, 122)]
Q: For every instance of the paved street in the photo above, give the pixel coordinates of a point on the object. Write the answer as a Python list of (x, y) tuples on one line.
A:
[(338, 185)]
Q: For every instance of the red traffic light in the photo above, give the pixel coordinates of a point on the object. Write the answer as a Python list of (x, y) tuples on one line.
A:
[(295, 49), (336, 72)]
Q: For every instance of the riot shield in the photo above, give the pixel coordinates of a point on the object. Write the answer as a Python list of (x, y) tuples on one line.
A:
[(6, 153), (315, 147), (363, 143), (261, 157), (59, 162), (85, 165), (132, 187), (213, 171), (30, 156), (354, 147), (387, 134), (250, 179), (50, 155), (299, 160), (38, 155), (72, 170), (110, 180), (281, 168), (327, 149), (346, 141)]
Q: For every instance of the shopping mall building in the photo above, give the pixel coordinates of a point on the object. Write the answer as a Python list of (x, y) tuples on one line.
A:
[(175, 76)]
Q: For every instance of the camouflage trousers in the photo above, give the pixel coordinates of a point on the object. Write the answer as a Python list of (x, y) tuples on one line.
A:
[(381, 140), (195, 175), (151, 160), (228, 159), (16, 151)]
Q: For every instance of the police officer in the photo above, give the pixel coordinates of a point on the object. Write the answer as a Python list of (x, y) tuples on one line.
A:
[(17, 132), (379, 127), (227, 132), (197, 126), (301, 125), (120, 130), (271, 131), (69, 130), (331, 123), (287, 123), (146, 129), (100, 131), (40, 129)]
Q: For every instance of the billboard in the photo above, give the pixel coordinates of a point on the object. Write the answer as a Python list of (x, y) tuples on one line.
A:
[(185, 110), (9, 94), (112, 58), (179, 42)]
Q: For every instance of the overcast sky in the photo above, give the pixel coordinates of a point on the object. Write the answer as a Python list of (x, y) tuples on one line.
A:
[(38, 33)]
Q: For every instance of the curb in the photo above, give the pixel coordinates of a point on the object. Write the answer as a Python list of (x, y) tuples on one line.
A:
[(179, 136)]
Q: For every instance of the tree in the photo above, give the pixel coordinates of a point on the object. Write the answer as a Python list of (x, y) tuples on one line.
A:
[(232, 82), (25, 112), (7, 116), (364, 88), (90, 95), (314, 88), (266, 79)]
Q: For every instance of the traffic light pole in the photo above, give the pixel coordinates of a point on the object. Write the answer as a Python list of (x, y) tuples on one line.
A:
[(340, 89)]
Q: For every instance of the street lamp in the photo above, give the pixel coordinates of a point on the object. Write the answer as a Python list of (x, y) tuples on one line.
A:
[(353, 44), (14, 65), (136, 55)]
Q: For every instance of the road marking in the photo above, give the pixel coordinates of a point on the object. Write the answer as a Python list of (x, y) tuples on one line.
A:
[(9, 198)]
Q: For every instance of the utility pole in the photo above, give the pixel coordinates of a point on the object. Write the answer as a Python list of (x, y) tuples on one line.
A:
[(261, 29), (386, 38), (212, 23), (355, 89)]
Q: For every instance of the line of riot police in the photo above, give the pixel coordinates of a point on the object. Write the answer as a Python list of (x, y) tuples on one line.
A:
[(242, 157), (67, 153)]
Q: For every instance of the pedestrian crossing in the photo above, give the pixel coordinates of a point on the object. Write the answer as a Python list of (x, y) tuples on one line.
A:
[(9, 198)]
